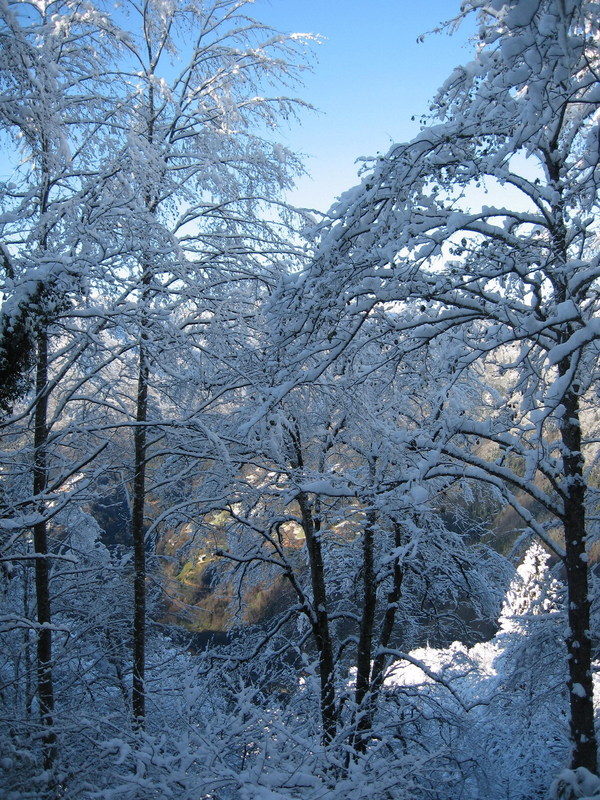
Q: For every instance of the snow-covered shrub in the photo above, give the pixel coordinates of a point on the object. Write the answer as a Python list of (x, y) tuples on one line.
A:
[(572, 784)]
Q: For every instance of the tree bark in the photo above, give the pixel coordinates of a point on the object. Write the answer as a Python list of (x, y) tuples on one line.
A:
[(320, 622), (573, 490), (370, 676), (363, 699), (40, 543), (579, 645), (138, 694), (389, 618)]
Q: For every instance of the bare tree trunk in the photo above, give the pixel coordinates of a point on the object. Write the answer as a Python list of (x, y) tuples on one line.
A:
[(389, 618), (578, 641), (140, 436), (579, 645), (365, 639), (27, 649), (40, 542), (139, 544), (370, 676), (320, 624)]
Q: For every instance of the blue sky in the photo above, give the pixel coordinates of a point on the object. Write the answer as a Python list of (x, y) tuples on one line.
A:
[(371, 77)]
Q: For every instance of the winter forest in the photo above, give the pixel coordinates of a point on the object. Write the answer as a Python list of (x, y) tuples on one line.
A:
[(296, 504)]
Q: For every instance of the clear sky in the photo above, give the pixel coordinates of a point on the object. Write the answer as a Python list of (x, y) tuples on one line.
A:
[(372, 76)]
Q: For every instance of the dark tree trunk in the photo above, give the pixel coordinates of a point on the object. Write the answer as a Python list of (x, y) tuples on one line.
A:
[(363, 698), (40, 542), (320, 622), (578, 641), (579, 646), (138, 695), (381, 659), (389, 618), (139, 544), (369, 679)]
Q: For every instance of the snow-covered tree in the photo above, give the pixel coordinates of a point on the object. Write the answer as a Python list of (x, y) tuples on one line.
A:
[(141, 224), (526, 722), (334, 495), (533, 591), (52, 57), (494, 713), (482, 229), (200, 183)]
